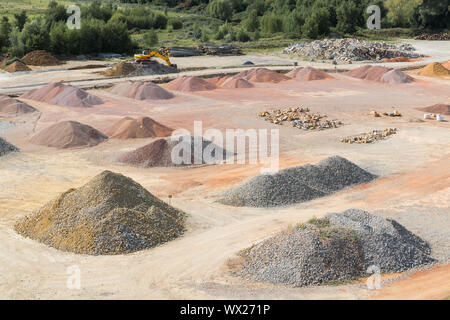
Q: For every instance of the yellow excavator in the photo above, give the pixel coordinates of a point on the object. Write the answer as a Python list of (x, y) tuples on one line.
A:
[(146, 56)]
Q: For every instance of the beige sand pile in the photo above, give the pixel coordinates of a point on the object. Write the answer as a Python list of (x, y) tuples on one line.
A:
[(262, 75), (396, 76), (41, 58), (10, 107), (440, 108), (141, 91), (446, 65), (120, 69), (236, 83), (143, 127), (190, 84), (435, 69), (111, 214), (380, 74), (63, 95), (308, 74), (17, 66), (68, 134)]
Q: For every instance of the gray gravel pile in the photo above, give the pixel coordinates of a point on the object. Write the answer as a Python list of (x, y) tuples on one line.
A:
[(349, 49), (6, 147), (339, 247), (297, 184), (111, 214)]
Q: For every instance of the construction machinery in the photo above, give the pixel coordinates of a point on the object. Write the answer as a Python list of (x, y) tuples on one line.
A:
[(147, 55)]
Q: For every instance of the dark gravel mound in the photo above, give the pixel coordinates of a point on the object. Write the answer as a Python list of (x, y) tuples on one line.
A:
[(339, 247), (6, 147), (297, 184), (111, 214)]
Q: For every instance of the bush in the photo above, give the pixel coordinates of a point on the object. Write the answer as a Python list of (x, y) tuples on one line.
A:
[(150, 38), (58, 38), (348, 16), (16, 46), (35, 35), (220, 9), (5, 31), (311, 27), (242, 36), (251, 24), (176, 23), (271, 23)]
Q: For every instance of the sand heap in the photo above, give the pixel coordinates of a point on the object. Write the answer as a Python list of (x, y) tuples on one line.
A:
[(234, 83), (190, 84), (308, 74), (380, 74), (120, 69), (440, 108), (6, 147), (396, 59), (63, 95), (218, 81), (261, 75), (141, 90), (41, 58), (446, 65), (435, 69), (17, 66), (159, 153), (68, 134), (338, 247), (297, 184), (111, 214), (10, 107), (143, 127)]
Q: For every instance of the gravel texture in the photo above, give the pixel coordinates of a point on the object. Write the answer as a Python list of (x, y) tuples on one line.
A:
[(6, 147), (339, 247), (111, 214), (297, 184)]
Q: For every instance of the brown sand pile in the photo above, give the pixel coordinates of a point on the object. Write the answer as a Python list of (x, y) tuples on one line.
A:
[(308, 74), (446, 65), (63, 95), (17, 66), (143, 127), (396, 76), (120, 69), (262, 75), (190, 84), (435, 69), (41, 58), (10, 107), (234, 83), (440, 108), (159, 153), (141, 91), (111, 214), (396, 59), (68, 134)]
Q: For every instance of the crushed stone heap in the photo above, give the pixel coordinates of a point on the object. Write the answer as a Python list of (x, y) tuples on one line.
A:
[(297, 184), (6, 147), (10, 107), (339, 247), (111, 214)]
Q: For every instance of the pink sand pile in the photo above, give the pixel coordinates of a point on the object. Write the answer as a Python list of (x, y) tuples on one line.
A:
[(261, 75), (143, 127), (190, 84), (380, 74), (141, 91), (63, 95), (10, 107), (308, 74)]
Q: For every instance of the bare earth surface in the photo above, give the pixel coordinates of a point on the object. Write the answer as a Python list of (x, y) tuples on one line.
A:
[(413, 188)]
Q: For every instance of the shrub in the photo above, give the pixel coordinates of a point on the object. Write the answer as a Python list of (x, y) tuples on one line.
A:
[(176, 23), (242, 36), (220, 9)]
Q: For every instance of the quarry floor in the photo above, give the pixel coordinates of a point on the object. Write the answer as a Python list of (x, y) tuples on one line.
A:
[(413, 188)]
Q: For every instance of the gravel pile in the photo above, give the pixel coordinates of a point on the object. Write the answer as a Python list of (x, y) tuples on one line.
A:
[(349, 49), (339, 247), (6, 147), (373, 136), (10, 107), (297, 184), (111, 214), (433, 37)]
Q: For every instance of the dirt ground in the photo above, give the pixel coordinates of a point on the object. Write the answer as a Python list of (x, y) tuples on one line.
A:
[(413, 188)]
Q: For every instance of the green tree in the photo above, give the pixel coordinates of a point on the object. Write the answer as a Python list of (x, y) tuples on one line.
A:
[(55, 12), (35, 35), (20, 19), (220, 9), (116, 38), (16, 46), (58, 38), (311, 27), (348, 16), (271, 23), (150, 39), (5, 31), (433, 14), (401, 12), (251, 23)]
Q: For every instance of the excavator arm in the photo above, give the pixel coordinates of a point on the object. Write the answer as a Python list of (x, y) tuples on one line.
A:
[(148, 57)]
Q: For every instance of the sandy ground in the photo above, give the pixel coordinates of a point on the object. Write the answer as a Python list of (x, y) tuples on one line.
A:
[(414, 188)]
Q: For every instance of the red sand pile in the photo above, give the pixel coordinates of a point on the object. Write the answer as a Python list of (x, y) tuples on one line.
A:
[(437, 108), (10, 107), (218, 81), (308, 74), (190, 84), (141, 91), (435, 69), (143, 127), (234, 83), (63, 95), (68, 134), (446, 65), (380, 74), (120, 69), (17, 66), (261, 75), (41, 58), (396, 59)]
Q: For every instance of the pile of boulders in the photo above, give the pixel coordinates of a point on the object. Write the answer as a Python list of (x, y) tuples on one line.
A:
[(436, 36), (349, 49), (370, 137), (300, 118)]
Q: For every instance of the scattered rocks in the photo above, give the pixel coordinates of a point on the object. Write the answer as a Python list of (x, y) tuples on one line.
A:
[(142, 127), (339, 247), (6, 147), (297, 184), (10, 107), (435, 36), (111, 214), (370, 137), (346, 50), (300, 118)]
